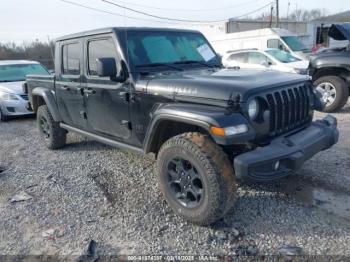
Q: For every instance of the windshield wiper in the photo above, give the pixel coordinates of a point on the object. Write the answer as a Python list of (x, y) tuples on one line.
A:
[(160, 64), (194, 62)]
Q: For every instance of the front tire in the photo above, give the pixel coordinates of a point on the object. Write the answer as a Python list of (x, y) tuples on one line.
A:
[(334, 90), (196, 178), (52, 134), (3, 117)]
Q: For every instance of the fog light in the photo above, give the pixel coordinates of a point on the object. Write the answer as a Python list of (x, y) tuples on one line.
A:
[(277, 165), (10, 109)]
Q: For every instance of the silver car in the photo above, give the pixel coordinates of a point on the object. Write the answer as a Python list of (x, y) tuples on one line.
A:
[(13, 102)]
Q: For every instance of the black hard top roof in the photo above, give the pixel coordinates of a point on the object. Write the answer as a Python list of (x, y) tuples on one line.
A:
[(120, 29)]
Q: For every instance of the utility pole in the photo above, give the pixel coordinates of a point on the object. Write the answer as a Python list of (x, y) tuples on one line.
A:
[(52, 52), (288, 11), (277, 14), (271, 14)]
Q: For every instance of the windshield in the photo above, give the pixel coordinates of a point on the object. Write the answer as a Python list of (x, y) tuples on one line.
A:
[(169, 47), (294, 43), (12, 73), (283, 56)]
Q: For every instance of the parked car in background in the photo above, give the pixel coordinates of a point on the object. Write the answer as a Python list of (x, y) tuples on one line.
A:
[(261, 39), (330, 70), (13, 101), (271, 58)]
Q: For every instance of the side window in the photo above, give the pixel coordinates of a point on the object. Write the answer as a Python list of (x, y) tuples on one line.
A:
[(102, 48), (240, 57), (71, 59), (273, 43), (257, 58)]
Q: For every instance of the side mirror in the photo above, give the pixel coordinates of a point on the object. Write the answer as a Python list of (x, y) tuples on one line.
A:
[(106, 67), (265, 63)]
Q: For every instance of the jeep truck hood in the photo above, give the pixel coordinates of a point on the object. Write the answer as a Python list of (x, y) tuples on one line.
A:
[(340, 31), (221, 85)]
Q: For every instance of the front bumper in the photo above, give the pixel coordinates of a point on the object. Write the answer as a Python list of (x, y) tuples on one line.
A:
[(286, 154), (15, 108)]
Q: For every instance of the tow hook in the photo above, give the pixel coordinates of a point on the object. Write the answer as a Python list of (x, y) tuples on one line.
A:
[(330, 120)]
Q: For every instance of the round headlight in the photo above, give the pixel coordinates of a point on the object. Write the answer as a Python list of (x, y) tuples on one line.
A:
[(253, 108)]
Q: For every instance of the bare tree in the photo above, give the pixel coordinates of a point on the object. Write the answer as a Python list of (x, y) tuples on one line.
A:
[(37, 51), (299, 15), (302, 15)]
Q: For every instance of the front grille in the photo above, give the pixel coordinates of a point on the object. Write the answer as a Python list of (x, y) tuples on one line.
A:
[(289, 108), (24, 96)]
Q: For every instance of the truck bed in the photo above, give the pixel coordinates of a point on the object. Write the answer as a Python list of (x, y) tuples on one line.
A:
[(33, 81)]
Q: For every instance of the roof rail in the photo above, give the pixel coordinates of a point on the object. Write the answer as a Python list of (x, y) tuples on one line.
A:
[(243, 49)]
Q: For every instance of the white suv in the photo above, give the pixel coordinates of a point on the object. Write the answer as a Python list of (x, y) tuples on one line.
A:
[(274, 59), (13, 102)]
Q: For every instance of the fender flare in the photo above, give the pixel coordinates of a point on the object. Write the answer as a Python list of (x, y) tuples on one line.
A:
[(342, 71), (200, 118), (50, 101)]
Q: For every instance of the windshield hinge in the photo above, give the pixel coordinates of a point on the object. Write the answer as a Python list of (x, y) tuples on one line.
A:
[(233, 103), (127, 124), (127, 96)]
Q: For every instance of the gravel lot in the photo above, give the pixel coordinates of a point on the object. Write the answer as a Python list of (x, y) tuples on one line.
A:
[(89, 191)]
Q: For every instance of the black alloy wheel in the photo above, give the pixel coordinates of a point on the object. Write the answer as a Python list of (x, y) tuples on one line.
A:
[(50, 131), (185, 182), (44, 127), (196, 178)]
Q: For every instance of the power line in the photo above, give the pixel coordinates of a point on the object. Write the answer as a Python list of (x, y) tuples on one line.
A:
[(159, 17), (114, 14), (189, 10), (169, 20), (180, 20), (252, 12)]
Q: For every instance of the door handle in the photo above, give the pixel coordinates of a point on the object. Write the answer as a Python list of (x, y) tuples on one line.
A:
[(66, 88), (127, 96), (89, 91)]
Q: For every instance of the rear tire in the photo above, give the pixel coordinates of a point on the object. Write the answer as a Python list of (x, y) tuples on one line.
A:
[(208, 187), (338, 92), (52, 134)]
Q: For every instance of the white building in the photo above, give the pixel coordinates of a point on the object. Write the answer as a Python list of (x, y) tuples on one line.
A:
[(310, 33)]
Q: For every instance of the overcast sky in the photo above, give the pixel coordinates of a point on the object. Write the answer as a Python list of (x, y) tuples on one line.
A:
[(28, 20)]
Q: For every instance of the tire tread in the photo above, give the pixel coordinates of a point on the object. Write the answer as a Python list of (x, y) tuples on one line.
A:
[(341, 89), (58, 135), (213, 158)]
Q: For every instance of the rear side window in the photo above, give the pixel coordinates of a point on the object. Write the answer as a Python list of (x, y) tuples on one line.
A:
[(71, 59), (273, 43), (102, 48), (240, 57), (257, 58)]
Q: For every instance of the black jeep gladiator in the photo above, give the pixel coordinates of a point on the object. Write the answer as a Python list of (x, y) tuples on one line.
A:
[(164, 91), (330, 70)]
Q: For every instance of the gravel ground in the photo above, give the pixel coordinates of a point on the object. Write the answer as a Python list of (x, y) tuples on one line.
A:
[(89, 191)]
